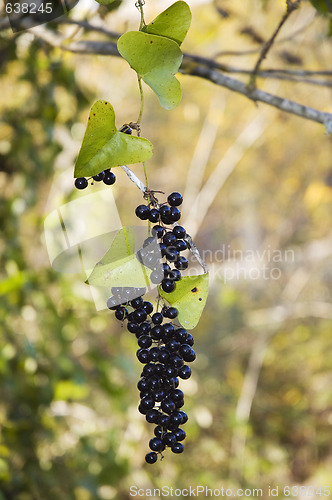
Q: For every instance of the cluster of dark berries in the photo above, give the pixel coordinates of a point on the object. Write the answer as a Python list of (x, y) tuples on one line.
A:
[(165, 243), (106, 175), (164, 348)]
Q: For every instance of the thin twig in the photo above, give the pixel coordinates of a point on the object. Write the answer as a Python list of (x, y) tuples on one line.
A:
[(267, 46)]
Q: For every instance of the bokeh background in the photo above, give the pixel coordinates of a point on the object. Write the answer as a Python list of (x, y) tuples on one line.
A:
[(258, 192)]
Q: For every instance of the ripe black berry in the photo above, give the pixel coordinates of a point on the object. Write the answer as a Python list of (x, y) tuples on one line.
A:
[(136, 303), (148, 370), (142, 212), (169, 439), (175, 275), (120, 313), (144, 341), (158, 231), (181, 245), (140, 315), (168, 285), (163, 420), (175, 214), (143, 355), (152, 417), (99, 177), (175, 199), (81, 183), (190, 339), (144, 328), (154, 215), (181, 335), (169, 239), (154, 354), (147, 403), (165, 211), (177, 447), (172, 254), (180, 434), (151, 457), (179, 232), (189, 356), (157, 318), (185, 372), (132, 327), (170, 313), (142, 384), (109, 178), (181, 263), (148, 307), (184, 417), (156, 444), (158, 431)]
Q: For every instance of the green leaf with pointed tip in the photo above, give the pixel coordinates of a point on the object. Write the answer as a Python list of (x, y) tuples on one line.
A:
[(156, 59), (105, 147), (119, 266), (172, 23), (189, 298)]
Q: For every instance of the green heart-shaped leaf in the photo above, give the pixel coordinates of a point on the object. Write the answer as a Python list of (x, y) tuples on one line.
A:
[(105, 147), (155, 59), (189, 298), (119, 266), (172, 23)]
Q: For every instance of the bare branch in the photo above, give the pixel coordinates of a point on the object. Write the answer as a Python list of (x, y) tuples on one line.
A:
[(283, 104)]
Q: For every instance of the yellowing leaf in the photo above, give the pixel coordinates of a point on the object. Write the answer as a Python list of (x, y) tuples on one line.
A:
[(189, 298)]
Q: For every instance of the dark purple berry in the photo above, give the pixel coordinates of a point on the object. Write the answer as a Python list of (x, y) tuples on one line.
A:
[(143, 355), (179, 232), (99, 177), (148, 307), (152, 417), (170, 313), (185, 372), (147, 403), (177, 447), (179, 434), (157, 318), (156, 444), (144, 341), (175, 275), (175, 199), (181, 245), (181, 263), (151, 457), (169, 239), (168, 285), (142, 212), (136, 303), (175, 214), (121, 313), (109, 178), (132, 327), (154, 215), (158, 231), (81, 183), (169, 439)]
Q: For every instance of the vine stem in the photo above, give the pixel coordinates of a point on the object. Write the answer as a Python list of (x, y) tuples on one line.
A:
[(142, 99)]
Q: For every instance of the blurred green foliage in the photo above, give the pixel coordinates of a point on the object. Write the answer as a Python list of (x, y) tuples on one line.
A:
[(259, 400)]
